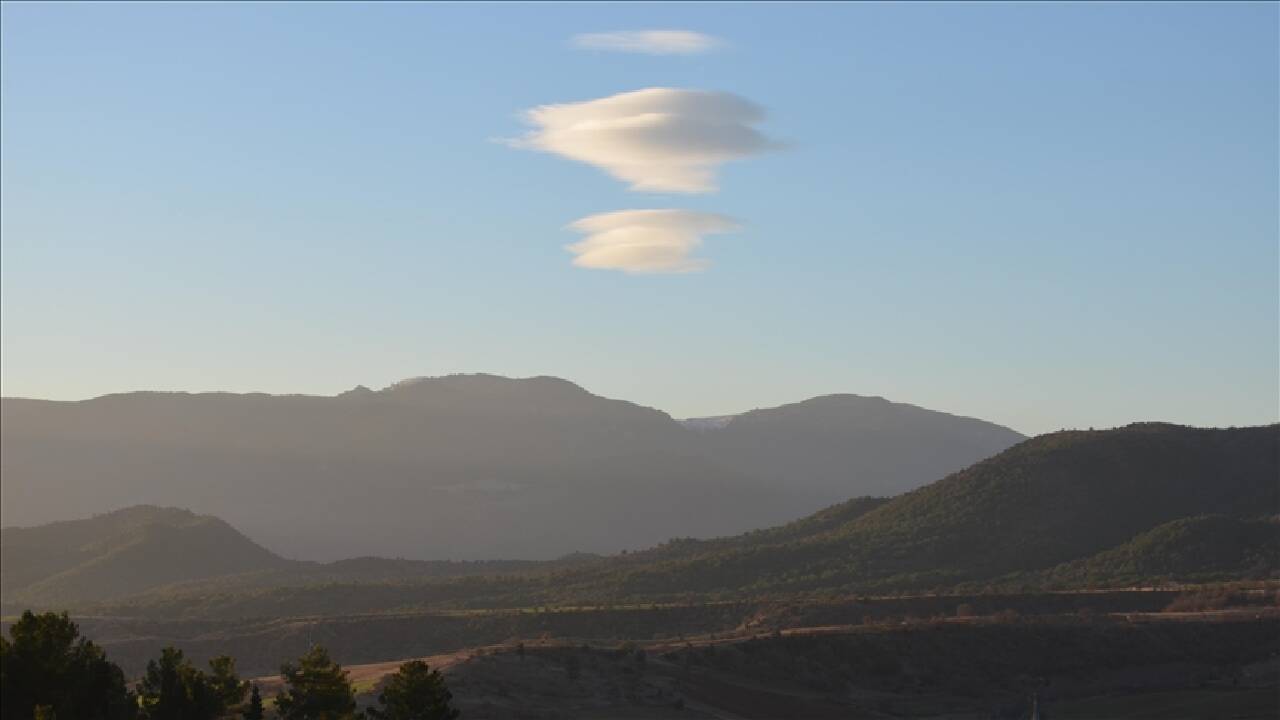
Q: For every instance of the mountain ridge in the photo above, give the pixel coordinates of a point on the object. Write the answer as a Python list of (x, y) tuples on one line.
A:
[(462, 466)]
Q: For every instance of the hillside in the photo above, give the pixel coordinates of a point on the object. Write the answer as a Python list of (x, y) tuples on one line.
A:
[(464, 467), (146, 550), (1050, 500), (1170, 670), (122, 553), (1203, 549), (1144, 503)]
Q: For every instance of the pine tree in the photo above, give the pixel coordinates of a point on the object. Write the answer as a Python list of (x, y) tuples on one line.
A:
[(415, 692), (255, 710), (224, 681), (47, 668), (174, 689), (317, 688)]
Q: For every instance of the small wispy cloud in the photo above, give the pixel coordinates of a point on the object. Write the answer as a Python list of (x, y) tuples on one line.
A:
[(650, 42), (657, 139), (646, 241)]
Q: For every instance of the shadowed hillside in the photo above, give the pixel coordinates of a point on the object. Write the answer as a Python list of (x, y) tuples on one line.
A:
[(1203, 549), (1053, 499)]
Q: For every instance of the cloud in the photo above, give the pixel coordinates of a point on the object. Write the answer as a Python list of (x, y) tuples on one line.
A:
[(657, 139), (651, 42), (646, 241)]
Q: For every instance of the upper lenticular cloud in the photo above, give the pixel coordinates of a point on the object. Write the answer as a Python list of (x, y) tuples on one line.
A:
[(651, 42), (646, 241), (657, 139)]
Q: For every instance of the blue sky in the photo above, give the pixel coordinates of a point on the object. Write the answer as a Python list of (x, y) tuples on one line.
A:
[(1043, 215)]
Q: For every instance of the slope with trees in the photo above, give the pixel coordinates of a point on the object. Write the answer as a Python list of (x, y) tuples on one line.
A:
[(1050, 500)]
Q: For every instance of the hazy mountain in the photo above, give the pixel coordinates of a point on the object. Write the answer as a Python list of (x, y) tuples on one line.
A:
[(707, 423), (846, 445), (468, 466)]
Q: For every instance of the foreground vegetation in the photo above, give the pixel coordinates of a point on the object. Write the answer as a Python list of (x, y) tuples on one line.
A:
[(1215, 649), (48, 671)]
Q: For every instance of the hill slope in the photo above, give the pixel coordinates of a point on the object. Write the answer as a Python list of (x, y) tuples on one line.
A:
[(1050, 500), (459, 467), (145, 550), (122, 553), (1202, 548)]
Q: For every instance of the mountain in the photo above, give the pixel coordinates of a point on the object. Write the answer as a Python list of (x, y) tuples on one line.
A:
[(122, 553), (464, 466), (837, 443)]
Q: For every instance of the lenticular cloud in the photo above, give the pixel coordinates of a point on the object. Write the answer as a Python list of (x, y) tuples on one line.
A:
[(651, 42), (656, 139), (646, 241)]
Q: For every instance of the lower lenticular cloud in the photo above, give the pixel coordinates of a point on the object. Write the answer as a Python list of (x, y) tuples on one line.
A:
[(651, 42), (646, 241), (657, 139)]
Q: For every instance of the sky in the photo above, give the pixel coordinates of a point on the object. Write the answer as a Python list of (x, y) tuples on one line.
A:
[(1043, 215)]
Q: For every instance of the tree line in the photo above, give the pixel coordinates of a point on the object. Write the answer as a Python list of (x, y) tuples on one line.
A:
[(49, 672)]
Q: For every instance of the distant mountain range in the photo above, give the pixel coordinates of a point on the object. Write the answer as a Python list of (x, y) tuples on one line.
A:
[(467, 466), (1148, 503)]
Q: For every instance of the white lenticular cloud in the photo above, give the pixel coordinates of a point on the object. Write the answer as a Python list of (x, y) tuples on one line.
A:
[(650, 42), (657, 139), (646, 241)]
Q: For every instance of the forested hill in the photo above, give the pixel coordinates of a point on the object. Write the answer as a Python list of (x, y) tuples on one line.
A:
[(1054, 499)]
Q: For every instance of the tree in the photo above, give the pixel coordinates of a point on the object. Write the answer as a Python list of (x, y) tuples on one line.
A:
[(255, 710), (47, 667), (415, 692), (316, 688), (226, 683), (174, 689)]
